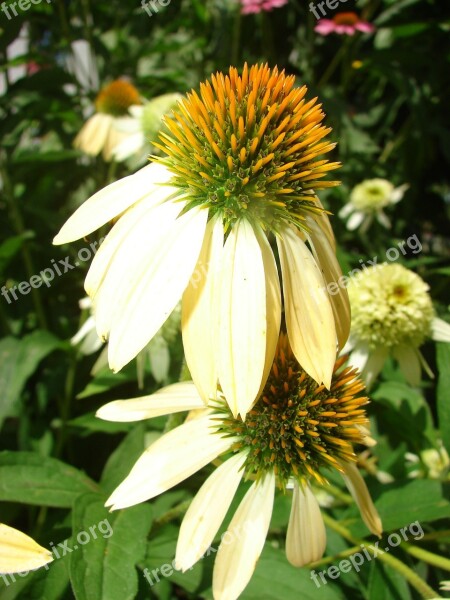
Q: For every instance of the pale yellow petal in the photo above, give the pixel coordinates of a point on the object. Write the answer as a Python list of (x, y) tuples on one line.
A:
[(207, 511), (309, 316), (174, 398), (158, 289), (242, 544), (93, 134), (358, 489), (174, 457), (199, 317), (19, 552), (111, 201), (242, 320), (306, 537)]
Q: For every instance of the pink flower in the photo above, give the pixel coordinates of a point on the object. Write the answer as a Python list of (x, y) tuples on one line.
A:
[(256, 6), (346, 23)]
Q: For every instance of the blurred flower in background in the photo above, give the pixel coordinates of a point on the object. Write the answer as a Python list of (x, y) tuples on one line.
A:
[(367, 201), (257, 6), (346, 23), (112, 122), (295, 429), (20, 553), (392, 314), (145, 128), (433, 463)]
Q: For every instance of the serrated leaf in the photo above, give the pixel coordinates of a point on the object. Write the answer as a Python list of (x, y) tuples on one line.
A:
[(32, 479), (104, 568)]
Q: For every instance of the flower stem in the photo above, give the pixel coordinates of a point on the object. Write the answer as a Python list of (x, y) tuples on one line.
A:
[(427, 556), (411, 577)]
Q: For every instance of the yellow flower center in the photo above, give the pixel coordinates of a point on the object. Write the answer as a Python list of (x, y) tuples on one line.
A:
[(247, 146), (297, 427), (116, 98)]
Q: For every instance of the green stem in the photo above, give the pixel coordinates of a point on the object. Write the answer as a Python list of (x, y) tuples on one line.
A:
[(332, 66), (65, 405), (427, 556), (413, 579), (19, 226), (172, 514)]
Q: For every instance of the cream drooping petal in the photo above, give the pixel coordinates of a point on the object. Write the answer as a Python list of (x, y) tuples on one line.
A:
[(309, 316), (207, 511), (242, 544), (174, 398), (325, 257), (158, 287), (358, 489), (374, 365), (200, 310), (19, 552), (93, 134), (440, 330), (306, 537), (242, 319), (113, 200), (409, 362), (174, 457)]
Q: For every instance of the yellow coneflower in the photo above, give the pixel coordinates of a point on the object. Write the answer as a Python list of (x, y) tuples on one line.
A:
[(242, 167), (295, 429), (112, 122)]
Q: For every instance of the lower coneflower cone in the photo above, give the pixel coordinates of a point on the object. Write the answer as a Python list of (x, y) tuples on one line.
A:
[(294, 431), (241, 171)]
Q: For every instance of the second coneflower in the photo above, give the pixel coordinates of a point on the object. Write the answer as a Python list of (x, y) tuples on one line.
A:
[(296, 429), (242, 168)]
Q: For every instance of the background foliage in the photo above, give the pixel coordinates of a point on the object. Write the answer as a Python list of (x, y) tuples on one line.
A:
[(386, 96)]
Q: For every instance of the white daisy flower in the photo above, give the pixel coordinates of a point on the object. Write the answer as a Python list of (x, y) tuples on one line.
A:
[(367, 201), (19, 552), (295, 429)]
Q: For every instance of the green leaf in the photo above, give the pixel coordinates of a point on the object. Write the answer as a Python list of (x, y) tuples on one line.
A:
[(123, 458), (404, 503), (48, 584), (10, 247), (89, 423), (19, 359), (443, 387), (103, 382), (409, 414), (32, 479), (104, 567), (386, 583)]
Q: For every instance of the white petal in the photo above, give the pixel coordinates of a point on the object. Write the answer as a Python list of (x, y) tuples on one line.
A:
[(129, 146), (19, 552), (359, 357), (324, 223), (374, 365), (440, 330), (355, 220), (243, 542), (306, 537), (207, 511), (171, 399), (242, 321), (200, 311), (309, 316), (93, 134), (174, 457), (346, 210), (409, 363), (273, 303), (112, 201), (398, 193), (326, 258), (155, 290), (383, 219), (159, 354), (358, 489), (87, 327)]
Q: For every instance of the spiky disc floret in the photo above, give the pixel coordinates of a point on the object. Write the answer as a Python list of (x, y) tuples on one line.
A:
[(116, 98), (297, 427), (247, 146)]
